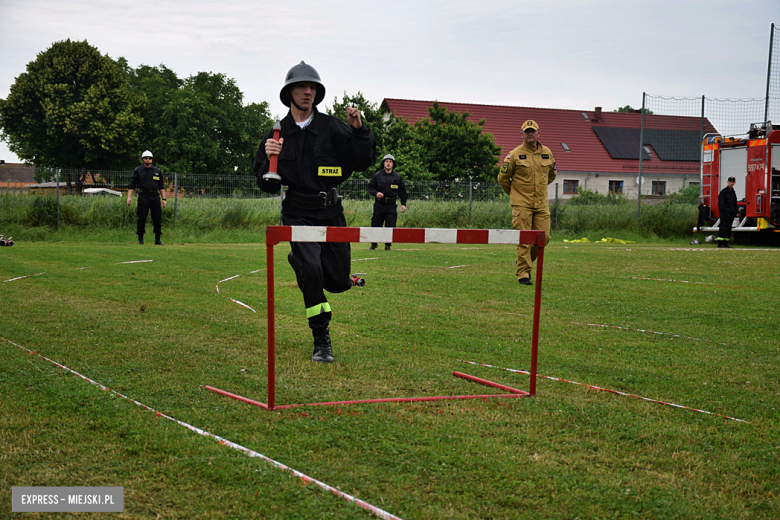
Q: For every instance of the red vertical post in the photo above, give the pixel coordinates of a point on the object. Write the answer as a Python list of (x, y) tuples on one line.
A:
[(269, 265), (537, 307)]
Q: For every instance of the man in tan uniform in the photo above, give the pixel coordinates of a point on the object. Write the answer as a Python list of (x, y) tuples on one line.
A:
[(524, 176)]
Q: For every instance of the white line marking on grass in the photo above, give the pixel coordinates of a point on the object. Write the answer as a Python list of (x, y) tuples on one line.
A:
[(365, 505), (715, 248), (136, 261), (624, 394), (80, 268), (20, 277), (243, 305), (662, 280), (361, 259), (231, 299), (642, 330)]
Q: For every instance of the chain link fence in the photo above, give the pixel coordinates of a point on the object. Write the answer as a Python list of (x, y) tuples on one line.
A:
[(75, 182)]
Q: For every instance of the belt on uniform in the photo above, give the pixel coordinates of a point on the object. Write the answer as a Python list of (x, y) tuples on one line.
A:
[(387, 200), (147, 192), (319, 200)]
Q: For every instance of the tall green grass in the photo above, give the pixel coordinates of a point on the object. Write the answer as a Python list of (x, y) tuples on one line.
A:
[(34, 217)]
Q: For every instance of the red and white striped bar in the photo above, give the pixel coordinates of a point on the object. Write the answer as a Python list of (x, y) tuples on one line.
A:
[(276, 234)]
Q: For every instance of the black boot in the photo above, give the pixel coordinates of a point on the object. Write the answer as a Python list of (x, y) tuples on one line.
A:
[(157, 240), (141, 239), (323, 350), (373, 246), (387, 247)]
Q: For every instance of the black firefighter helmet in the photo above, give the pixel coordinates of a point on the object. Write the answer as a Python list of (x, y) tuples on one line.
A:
[(297, 74)]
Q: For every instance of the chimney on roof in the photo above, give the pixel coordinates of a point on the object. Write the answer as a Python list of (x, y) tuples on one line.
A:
[(598, 113)]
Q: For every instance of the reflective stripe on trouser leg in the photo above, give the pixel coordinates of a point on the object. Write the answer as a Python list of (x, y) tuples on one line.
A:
[(317, 309), (529, 219)]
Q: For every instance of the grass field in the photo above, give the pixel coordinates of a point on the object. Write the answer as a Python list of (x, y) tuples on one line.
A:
[(158, 332)]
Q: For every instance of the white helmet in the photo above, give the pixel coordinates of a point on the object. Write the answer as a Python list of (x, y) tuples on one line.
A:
[(388, 156), (147, 153)]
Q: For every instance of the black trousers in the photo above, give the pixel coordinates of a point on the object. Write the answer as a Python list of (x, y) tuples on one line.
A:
[(724, 229), (384, 214), (319, 267), (145, 204)]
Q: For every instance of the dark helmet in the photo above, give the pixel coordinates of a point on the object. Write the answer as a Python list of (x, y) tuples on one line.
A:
[(297, 74)]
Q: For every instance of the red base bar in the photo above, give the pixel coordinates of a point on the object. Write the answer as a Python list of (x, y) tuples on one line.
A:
[(237, 397), (515, 393)]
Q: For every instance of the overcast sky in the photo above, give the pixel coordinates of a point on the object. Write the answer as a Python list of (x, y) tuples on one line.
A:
[(552, 54)]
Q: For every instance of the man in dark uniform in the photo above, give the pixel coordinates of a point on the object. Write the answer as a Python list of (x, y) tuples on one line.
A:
[(317, 152), (147, 179), (387, 186), (727, 206)]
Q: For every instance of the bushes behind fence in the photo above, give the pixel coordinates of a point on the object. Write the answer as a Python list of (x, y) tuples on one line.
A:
[(665, 219)]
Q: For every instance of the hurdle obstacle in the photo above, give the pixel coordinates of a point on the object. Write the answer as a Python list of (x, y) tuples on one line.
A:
[(276, 234)]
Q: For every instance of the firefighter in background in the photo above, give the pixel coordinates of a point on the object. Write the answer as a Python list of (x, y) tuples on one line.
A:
[(524, 176), (727, 206), (317, 152), (386, 186), (147, 179)]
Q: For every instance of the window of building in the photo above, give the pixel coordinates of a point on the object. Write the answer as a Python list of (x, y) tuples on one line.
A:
[(616, 186), (659, 188), (566, 147), (585, 115), (570, 186)]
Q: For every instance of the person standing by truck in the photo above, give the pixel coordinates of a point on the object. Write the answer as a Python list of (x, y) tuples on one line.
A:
[(727, 206)]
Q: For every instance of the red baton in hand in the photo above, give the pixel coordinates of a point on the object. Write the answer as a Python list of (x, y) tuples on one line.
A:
[(272, 175)]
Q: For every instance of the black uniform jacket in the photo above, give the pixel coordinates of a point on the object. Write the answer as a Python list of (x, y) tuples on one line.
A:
[(391, 185), (727, 201), (317, 158), (147, 179)]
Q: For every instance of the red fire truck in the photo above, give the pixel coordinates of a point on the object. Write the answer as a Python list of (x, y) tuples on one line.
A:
[(754, 162)]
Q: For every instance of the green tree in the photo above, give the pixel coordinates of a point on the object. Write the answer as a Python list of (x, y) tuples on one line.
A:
[(72, 108), (629, 108), (393, 135), (200, 124), (159, 85), (452, 147)]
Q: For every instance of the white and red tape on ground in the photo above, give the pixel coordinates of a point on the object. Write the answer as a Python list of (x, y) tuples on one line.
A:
[(361, 503), (624, 394), (642, 330)]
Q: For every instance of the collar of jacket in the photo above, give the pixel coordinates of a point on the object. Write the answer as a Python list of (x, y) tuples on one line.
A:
[(526, 147), (289, 126)]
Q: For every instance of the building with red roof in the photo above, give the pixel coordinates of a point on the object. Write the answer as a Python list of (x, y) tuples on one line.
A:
[(593, 149)]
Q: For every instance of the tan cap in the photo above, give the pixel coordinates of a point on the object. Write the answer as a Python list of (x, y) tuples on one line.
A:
[(530, 124)]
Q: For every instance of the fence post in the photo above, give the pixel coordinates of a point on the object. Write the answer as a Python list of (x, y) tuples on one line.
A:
[(58, 199), (701, 152), (175, 194), (556, 206), (641, 155), (470, 190)]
